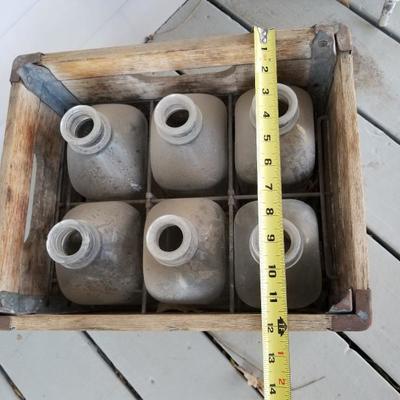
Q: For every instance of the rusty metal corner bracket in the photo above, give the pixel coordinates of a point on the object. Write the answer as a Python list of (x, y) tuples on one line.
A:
[(361, 319), (40, 81)]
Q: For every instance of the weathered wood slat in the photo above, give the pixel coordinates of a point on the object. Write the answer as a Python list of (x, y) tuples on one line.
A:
[(322, 366), (344, 182), (15, 179), (140, 322), (128, 88), (58, 366), (375, 53), (35, 264), (174, 365), (182, 54)]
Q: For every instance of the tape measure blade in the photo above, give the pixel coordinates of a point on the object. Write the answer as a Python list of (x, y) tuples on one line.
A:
[(270, 220)]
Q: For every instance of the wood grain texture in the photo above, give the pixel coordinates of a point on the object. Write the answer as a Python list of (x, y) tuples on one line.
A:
[(166, 322), (35, 263), (322, 366), (15, 179), (174, 55), (128, 88), (344, 183), (173, 365)]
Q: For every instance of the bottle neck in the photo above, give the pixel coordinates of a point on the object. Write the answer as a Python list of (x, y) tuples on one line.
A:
[(288, 100), (172, 240), (74, 244), (293, 240), (86, 130), (178, 119)]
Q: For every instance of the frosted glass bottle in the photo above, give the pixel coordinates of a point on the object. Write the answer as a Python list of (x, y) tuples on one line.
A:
[(97, 250), (302, 256), (184, 258), (297, 136), (188, 142), (106, 150)]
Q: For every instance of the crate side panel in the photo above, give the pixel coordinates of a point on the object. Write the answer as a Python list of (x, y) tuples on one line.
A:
[(128, 88), (164, 322), (344, 183), (15, 179), (35, 265), (174, 55)]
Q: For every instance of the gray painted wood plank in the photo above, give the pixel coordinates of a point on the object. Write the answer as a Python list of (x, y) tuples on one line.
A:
[(382, 341), (372, 9), (6, 391), (58, 365), (173, 365), (322, 366), (381, 169), (376, 55)]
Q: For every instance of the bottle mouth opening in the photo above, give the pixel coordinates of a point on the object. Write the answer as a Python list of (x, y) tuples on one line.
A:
[(172, 240), (85, 129), (73, 243), (293, 243), (178, 119), (288, 109)]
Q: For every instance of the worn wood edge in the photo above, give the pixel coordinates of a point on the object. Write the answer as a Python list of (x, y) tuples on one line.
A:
[(128, 88), (160, 322), (361, 319), (21, 60), (174, 55), (347, 197), (344, 40), (35, 262), (15, 181)]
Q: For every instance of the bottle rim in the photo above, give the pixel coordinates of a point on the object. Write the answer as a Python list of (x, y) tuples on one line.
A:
[(184, 133)]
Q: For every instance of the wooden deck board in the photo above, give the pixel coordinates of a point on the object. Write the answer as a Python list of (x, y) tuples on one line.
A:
[(381, 341), (322, 366), (372, 10), (6, 391), (376, 55), (173, 365), (60, 366)]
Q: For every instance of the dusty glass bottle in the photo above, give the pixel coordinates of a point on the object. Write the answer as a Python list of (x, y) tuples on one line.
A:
[(106, 150), (188, 142), (297, 136), (184, 260), (97, 250), (302, 255)]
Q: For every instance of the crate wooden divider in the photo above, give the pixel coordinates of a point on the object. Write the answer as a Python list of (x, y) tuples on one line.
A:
[(44, 86)]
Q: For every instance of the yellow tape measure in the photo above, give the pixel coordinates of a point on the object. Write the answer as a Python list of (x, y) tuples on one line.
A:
[(270, 223)]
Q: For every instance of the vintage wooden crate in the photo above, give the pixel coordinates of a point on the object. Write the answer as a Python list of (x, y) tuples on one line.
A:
[(34, 182)]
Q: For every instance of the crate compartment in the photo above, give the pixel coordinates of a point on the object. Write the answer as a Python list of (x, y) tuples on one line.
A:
[(44, 86)]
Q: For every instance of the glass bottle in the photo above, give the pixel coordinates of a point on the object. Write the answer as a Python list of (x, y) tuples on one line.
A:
[(188, 142), (184, 258), (302, 255), (106, 150), (97, 250)]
